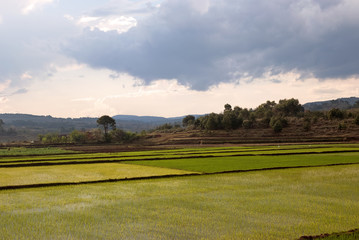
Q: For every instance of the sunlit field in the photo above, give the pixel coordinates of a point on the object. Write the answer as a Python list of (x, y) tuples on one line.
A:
[(319, 197)]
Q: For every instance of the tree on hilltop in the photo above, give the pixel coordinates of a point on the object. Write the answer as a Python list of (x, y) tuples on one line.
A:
[(106, 122)]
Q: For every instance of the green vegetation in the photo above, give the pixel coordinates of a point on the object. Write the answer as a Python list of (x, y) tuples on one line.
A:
[(273, 204), (278, 204), (106, 122), (245, 163), (225, 155), (17, 151), (78, 173), (269, 112)]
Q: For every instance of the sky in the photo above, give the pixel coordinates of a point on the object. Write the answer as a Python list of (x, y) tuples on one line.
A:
[(87, 58)]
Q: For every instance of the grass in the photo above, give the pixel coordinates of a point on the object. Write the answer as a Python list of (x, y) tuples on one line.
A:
[(78, 173), (21, 170), (18, 151), (220, 164), (178, 153), (277, 204)]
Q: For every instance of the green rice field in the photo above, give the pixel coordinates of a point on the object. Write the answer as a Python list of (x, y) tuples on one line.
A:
[(203, 193)]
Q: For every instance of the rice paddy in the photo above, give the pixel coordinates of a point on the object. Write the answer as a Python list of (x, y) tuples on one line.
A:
[(272, 204)]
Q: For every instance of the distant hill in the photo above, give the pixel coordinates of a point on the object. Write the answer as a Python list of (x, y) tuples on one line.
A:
[(341, 103), (146, 119), (26, 127), (150, 119)]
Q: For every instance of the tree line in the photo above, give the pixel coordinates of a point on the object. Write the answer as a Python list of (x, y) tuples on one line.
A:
[(269, 114)]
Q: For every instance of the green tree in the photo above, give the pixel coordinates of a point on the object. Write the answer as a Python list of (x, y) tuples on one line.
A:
[(227, 107), (211, 121), (265, 110), (335, 113), (244, 113), (77, 137), (120, 136), (106, 122), (277, 127), (288, 107), (188, 120), (230, 120), (247, 124)]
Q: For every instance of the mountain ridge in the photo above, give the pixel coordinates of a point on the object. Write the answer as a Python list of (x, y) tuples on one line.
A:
[(341, 103)]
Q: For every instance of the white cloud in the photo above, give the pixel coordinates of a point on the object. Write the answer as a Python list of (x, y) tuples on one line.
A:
[(31, 5), (26, 76), (118, 23)]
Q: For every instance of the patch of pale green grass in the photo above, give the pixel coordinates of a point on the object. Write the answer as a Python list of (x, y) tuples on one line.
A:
[(11, 151), (277, 204), (78, 173), (168, 154), (233, 163)]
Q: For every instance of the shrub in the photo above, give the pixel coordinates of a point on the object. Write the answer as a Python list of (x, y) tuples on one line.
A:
[(265, 122), (283, 121), (342, 126), (335, 113), (247, 124), (78, 137), (121, 136), (277, 127), (307, 125), (356, 120)]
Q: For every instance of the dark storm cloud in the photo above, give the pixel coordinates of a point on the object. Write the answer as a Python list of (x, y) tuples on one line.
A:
[(232, 39)]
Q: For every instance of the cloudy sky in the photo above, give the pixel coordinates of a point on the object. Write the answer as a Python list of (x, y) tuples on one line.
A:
[(79, 58)]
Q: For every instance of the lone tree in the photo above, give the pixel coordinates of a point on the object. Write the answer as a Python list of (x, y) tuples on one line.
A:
[(106, 122)]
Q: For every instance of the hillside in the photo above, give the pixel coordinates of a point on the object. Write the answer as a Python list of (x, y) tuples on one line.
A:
[(320, 131), (341, 103)]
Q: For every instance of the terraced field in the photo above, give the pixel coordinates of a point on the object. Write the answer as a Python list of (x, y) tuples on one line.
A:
[(193, 193)]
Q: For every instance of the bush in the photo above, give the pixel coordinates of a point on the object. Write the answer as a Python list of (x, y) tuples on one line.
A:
[(356, 120), (121, 136), (78, 137), (265, 122), (307, 124), (342, 126), (165, 126), (335, 113), (274, 120), (277, 127), (247, 124), (52, 138)]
